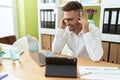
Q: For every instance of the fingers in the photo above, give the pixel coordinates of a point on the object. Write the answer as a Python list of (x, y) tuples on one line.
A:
[(82, 17), (62, 24)]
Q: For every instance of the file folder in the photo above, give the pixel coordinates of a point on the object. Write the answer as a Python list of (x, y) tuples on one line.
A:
[(118, 23), (113, 21), (61, 67), (53, 20), (106, 20), (47, 18), (42, 18)]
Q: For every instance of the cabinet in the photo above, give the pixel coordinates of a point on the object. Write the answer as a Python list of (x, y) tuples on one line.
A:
[(118, 58), (105, 51), (111, 52), (47, 41), (104, 20)]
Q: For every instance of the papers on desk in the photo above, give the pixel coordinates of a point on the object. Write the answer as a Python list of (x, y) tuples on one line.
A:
[(99, 73), (7, 76)]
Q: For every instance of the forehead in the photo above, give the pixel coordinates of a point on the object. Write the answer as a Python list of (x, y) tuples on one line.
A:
[(69, 14)]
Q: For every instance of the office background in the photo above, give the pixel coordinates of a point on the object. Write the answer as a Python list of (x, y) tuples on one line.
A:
[(28, 17)]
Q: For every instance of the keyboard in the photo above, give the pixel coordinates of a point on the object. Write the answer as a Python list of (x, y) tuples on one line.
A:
[(48, 54)]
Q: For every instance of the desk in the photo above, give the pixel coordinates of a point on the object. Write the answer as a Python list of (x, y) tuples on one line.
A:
[(27, 69)]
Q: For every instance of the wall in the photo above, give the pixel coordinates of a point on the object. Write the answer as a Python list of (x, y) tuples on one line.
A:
[(27, 18)]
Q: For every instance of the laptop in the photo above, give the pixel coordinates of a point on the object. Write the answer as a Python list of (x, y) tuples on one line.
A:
[(61, 67), (38, 56)]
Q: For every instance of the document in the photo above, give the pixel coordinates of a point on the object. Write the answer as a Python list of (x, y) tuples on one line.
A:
[(8, 76), (99, 73)]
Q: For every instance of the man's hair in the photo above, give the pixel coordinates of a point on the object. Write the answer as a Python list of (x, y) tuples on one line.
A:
[(72, 5)]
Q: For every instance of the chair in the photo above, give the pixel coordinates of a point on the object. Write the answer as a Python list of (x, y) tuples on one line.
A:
[(33, 44), (8, 39), (22, 42)]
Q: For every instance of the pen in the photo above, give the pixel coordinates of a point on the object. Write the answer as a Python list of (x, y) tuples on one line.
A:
[(85, 73), (3, 76)]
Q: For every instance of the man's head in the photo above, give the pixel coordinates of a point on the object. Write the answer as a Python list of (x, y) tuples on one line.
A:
[(71, 14)]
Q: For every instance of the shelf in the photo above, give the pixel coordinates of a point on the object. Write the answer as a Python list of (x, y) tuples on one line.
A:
[(111, 37), (91, 4), (47, 5), (60, 5), (47, 31)]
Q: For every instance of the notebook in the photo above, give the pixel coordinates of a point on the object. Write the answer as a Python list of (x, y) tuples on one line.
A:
[(61, 67)]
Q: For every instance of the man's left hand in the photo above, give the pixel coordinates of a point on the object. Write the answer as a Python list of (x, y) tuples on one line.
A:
[(85, 24)]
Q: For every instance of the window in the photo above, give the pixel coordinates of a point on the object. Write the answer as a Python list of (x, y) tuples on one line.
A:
[(7, 18)]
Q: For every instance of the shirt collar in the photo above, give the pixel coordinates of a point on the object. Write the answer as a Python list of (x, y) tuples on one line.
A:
[(81, 32)]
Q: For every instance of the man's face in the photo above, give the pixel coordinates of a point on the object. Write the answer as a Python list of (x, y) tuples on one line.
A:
[(71, 19)]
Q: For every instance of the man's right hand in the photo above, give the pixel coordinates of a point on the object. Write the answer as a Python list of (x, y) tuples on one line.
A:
[(62, 24)]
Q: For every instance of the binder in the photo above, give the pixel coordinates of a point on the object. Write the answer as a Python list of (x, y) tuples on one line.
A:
[(42, 18), (113, 21), (48, 18), (106, 20), (51, 16), (118, 23), (53, 20), (113, 53)]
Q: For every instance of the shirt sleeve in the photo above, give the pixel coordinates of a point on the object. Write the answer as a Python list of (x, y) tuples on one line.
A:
[(93, 44), (59, 41)]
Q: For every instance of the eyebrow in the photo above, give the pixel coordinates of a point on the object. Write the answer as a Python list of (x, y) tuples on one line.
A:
[(68, 18)]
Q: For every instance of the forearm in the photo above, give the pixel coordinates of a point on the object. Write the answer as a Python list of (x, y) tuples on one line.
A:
[(93, 46), (59, 41)]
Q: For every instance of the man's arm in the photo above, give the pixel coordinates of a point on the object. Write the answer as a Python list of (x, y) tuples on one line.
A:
[(93, 44), (60, 38), (92, 40)]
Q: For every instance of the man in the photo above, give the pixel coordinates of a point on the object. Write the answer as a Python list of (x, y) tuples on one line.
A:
[(83, 39)]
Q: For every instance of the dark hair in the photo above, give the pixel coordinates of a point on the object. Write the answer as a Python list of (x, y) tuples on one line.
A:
[(72, 5)]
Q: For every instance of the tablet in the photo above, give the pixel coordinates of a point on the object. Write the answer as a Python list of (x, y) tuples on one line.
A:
[(61, 67)]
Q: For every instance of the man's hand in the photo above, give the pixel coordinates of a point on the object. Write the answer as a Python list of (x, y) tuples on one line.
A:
[(85, 24), (62, 24)]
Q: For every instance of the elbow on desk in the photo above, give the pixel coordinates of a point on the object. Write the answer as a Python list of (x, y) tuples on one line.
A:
[(97, 58)]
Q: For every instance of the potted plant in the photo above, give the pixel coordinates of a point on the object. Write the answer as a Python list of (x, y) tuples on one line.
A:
[(90, 13), (1, 53)]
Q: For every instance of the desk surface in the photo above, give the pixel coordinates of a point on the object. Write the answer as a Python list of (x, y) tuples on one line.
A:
[(27, 69)]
